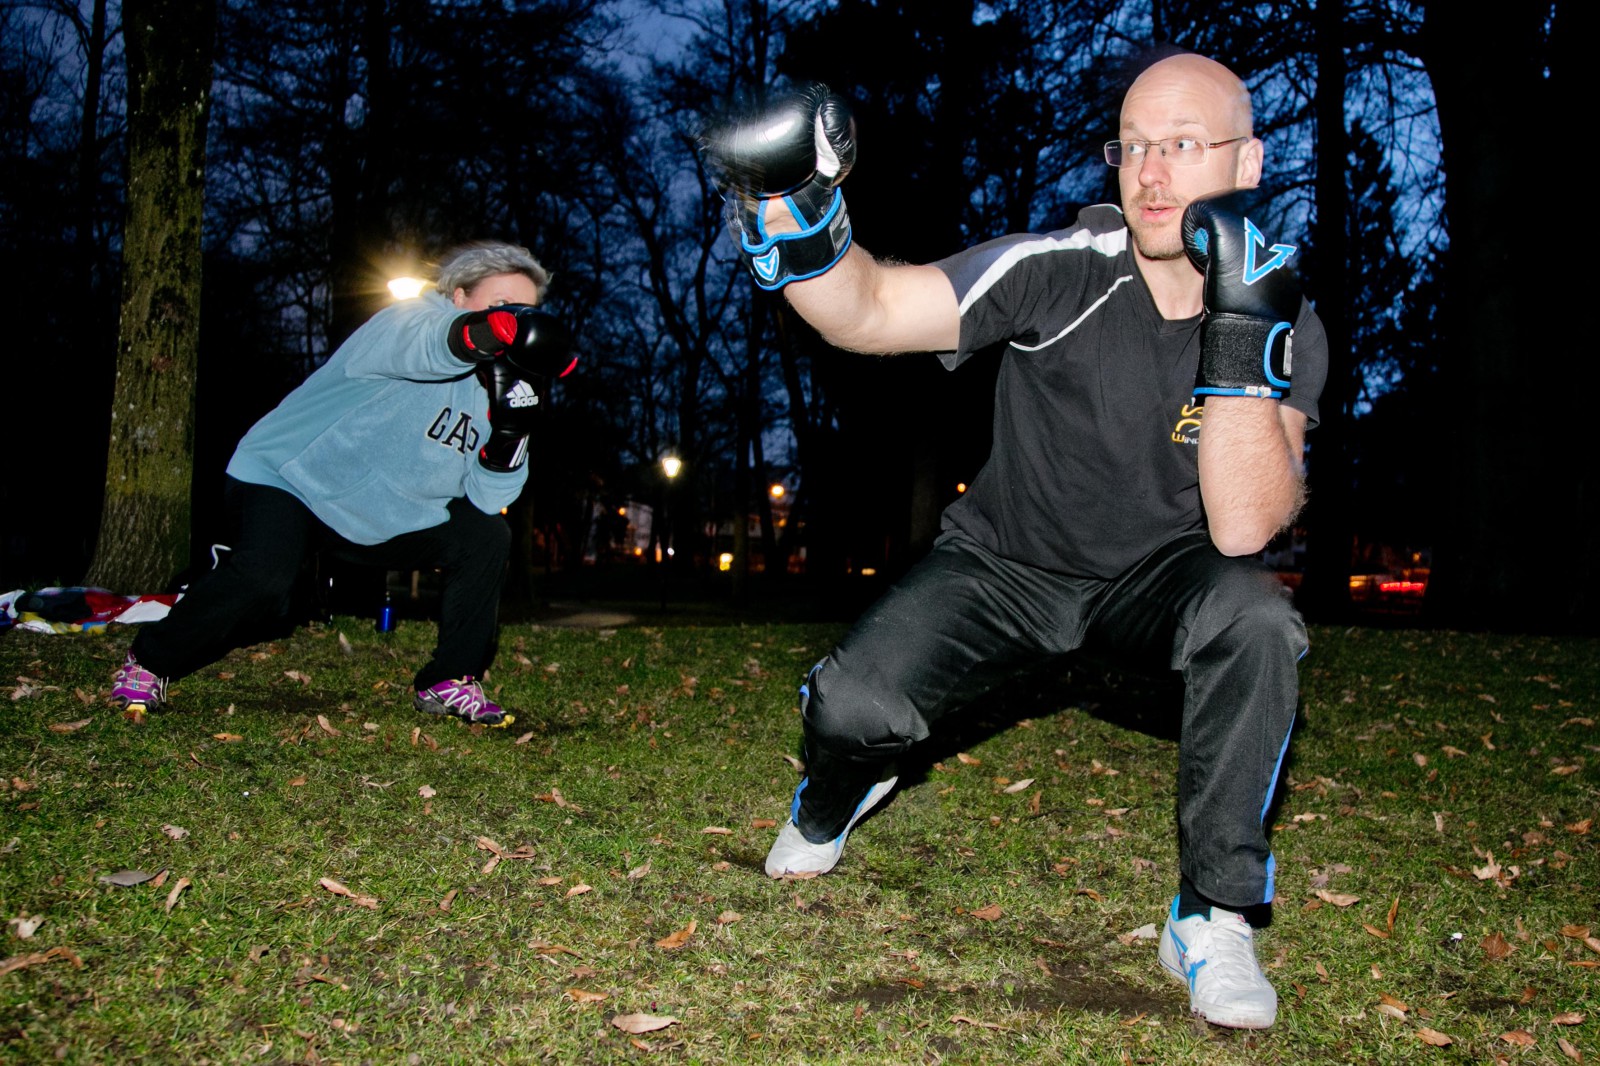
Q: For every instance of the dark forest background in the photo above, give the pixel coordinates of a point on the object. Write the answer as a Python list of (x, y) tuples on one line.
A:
[(348, 141)]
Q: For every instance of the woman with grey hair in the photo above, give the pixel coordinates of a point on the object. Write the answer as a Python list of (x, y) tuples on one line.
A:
[(401, 451)]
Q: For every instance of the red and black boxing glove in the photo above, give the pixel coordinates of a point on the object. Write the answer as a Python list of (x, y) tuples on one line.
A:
[(514, 404), (533, 341), (1252, 298)]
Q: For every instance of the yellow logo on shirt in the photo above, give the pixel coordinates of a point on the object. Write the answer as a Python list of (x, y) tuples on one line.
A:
[(1187, 431)]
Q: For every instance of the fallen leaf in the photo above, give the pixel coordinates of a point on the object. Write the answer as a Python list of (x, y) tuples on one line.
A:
[(296, 675), (36, 958), (799, 766), (1568, 1050), (729, 917), (717, 830), (1452, 751), (322, 721), (125, 878), (449, 898), (580, 995), (340, 890), (991, 913), (1487, 872), (256, 953), (639, 871), (962, 1019), (1581, 827), (345, 645), (177, 890), (1570, 1017), (427, 792), (1518, 1037), (1017, 786), (176, 832), (553, 949), (1394, 909), (763, 823), (673, 941), (23, 928), (1391, 1011), (1433, 1037), (578, 890), (967, 760), (1389, 1001), (159, 879), (227, 738), (1375, 931), (296, 782), (1338, 899), (69, 727), (642, 1023), (1496, 946)]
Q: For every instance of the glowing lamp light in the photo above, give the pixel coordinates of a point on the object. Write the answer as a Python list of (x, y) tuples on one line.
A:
[(961, 486), (776, 492), (869, 571), (725, 561), (671, 465), (622, 512), (407, 288)]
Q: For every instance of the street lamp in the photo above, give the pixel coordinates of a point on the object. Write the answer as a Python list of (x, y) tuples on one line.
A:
[(671, 466), (406, 288)]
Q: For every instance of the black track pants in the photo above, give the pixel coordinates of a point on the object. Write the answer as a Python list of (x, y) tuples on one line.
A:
[(963, 620), (273, 531)]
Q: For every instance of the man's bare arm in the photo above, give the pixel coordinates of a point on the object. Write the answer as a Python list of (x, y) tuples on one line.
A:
[(868, 306), (1250, 470)]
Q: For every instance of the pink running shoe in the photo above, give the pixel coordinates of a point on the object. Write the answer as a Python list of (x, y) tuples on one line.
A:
[(136, 688), (464, 699)]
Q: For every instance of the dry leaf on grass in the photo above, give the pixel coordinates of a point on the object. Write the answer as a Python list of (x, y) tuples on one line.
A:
[(1496, 946), (24, 927), (639, 871), (578, 890), (991, 913), (69, 727), (326, 726), (1518, 1037), (581, 995), (36, 958), (1375, 931), (427, 792), (1386, 1000), (1568, 1050), (729, 917), (799, 767), (673, 941), (449, 898), (296, 782), (1338, 899), (1017, 786), (962, 1019), (552, 949), (763, 823), (340, 890), (227, 738), (177, 890), (125, 878), (176, 832), (1433, 1037), (717, 830), (967, 760), (1570, 1017), (296, 675), (642, 1023)]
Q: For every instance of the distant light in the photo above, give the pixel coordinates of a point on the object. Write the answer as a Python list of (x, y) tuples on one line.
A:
[(869, 571), (672, 551), (725, 561), (961, 486), (1406, 588), (777, 492), (622, 512), (638, 552), (671, 465), (407, 288)]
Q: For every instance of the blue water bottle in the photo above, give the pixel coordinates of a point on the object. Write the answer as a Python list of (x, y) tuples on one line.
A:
[(386, 615)]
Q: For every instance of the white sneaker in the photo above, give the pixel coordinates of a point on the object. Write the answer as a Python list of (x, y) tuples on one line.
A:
[(793, 854), (1216, 958)]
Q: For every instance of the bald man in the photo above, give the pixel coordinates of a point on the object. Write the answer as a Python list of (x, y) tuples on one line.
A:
[(1124, 500)]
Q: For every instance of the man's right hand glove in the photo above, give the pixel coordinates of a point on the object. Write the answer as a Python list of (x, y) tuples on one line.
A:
[(532, 341), (795, 153), (1252, 298)]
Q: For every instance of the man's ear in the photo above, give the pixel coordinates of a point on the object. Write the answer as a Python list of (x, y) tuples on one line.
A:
[(1248, 173)]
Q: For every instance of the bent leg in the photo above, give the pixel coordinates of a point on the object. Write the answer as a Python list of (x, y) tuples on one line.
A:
[(959, 623), (1229, 626), (470, 548), (271, 530)]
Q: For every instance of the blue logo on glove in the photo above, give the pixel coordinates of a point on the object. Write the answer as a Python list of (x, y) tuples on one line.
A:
[(766, 264), (1253, 240)]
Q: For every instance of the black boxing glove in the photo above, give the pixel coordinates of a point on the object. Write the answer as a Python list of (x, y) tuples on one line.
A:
[(1252, 297), (795, 153), (533, 341), (514, 404)]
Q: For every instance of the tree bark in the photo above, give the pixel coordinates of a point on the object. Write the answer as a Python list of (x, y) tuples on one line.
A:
[(144, 528)]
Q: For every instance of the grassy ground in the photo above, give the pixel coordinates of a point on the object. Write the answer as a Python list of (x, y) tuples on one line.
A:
[(1437, 848)]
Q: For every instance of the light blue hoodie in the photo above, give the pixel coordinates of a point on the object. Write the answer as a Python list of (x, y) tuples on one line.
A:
[(384, 434)]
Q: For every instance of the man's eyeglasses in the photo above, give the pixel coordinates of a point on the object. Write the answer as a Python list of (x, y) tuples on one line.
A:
[(1176, 151)]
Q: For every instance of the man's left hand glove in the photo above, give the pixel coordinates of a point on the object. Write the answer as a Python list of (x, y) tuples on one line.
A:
[(514, 404), (1252, 297)]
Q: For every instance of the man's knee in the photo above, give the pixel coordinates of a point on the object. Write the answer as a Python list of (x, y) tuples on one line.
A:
[(853, 712)]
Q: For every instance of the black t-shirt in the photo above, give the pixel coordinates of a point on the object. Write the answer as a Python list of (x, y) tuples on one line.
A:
[(1094, 463)]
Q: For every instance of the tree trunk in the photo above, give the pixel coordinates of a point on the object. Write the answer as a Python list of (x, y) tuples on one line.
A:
[(144, 529)]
